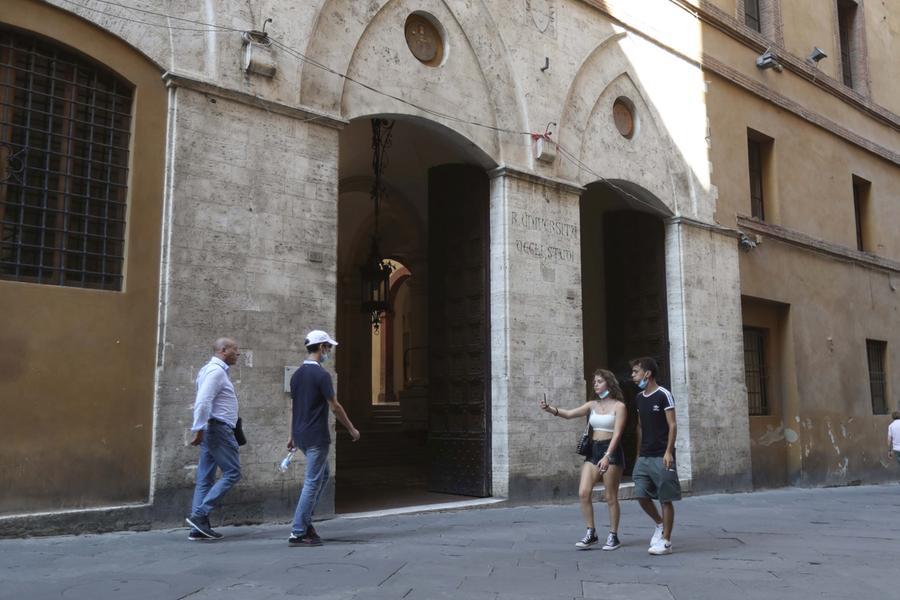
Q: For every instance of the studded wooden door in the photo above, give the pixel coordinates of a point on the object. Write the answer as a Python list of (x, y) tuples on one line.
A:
[(637, 317), (458, 357), (637, 312)]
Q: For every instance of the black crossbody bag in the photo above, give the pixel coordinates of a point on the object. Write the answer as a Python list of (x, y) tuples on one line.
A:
[(584, 444)]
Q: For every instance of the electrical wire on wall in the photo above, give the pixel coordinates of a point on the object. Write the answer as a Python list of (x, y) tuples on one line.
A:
[(193, 25)]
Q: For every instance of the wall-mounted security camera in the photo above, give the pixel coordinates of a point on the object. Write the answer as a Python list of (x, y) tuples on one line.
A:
[(767, 60), (816, 55), (747, 243)]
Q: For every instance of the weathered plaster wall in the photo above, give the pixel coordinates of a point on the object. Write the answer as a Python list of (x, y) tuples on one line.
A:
[(770, 436), (812, 179), (847, 300), (838, 440), (76, 365), (882, 31)]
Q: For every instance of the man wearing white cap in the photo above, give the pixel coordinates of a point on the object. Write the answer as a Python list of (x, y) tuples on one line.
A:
[(312, 393)]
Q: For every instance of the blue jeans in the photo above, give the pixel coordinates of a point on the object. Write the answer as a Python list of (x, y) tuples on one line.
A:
[(313, 484), (218, 449)]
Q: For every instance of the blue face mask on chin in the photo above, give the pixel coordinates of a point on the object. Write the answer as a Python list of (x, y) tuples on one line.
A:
[(603, 394), (643, 383)]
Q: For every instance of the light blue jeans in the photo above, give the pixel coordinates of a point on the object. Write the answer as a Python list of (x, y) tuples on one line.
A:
[(218, 449), (313, 485)]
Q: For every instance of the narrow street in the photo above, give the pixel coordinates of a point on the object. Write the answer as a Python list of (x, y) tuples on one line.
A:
[(788, 543)]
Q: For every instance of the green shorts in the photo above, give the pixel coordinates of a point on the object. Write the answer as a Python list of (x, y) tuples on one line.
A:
[(653, 480)]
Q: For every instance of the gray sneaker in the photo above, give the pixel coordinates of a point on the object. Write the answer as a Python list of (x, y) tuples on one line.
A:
[(589, 539), (612, 542)]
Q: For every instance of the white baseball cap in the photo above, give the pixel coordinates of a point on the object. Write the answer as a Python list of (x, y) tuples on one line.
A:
[(317, 336)]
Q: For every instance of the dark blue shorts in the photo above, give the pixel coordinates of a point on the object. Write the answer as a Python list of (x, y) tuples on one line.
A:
[(598, 449)]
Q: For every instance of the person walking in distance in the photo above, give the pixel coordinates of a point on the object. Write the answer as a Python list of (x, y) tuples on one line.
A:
[(655, 476), (312, 394), (215, 416), (606, 460), (894, 437)]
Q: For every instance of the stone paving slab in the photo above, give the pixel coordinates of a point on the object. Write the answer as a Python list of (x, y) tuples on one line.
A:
[(789, 543)]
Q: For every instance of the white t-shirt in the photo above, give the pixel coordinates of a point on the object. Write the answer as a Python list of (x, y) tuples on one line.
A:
[(894, 434)]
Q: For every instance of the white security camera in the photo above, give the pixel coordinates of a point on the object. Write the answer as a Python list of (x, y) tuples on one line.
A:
[(767, 60)]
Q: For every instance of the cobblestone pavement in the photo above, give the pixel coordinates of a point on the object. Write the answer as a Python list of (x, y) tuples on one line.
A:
[(790, 543)]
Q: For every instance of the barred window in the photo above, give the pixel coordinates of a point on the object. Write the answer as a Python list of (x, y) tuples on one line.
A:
[(755, 370), (875, 353), (65, 126)]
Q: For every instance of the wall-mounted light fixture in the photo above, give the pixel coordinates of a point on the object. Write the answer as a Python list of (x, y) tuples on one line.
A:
[(816, 55), (767, 60), (257, 56)]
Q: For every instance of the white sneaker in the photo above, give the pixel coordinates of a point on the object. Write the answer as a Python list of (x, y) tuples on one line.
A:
[(664, 546), (657, 535)]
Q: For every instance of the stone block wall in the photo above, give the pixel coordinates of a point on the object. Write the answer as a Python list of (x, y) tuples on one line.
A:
[(706, 357), (536, 334), (251, 254)]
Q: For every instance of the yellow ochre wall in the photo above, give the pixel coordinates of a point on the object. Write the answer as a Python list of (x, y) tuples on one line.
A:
[(822, 430), (77, 375)]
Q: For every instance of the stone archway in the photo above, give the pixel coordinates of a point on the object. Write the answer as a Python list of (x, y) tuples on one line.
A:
[(408, 438), (477, 81), (625, 306)]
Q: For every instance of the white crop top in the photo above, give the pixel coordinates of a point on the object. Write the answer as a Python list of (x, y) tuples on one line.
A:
[(603, 422)]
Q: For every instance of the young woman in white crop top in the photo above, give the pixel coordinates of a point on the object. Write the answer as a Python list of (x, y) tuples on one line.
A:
[(607, 460)]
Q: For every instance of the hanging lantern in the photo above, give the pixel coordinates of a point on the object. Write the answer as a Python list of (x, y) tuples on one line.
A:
[(375, 273), (375, 276)]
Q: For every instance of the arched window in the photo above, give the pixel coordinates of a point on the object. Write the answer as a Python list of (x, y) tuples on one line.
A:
[(65, 124)]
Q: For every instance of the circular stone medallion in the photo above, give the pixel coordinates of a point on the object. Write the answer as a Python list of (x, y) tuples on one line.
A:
[(623, 116), (424, 40)]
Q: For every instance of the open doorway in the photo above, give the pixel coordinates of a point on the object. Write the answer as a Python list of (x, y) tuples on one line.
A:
[(417, 385), (623, 289)]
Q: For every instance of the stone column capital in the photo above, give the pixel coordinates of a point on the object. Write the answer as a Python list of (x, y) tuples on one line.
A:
[(561, 185)]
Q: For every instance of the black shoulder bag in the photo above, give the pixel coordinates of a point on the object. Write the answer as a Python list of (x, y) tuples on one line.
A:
[(584, 444)]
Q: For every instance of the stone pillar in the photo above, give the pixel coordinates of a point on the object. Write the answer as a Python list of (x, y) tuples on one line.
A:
[(706, 356), (249, 252), (536, 333)]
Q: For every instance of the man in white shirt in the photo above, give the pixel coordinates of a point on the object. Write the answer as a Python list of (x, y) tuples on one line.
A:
[(215, 416), (894, 437)]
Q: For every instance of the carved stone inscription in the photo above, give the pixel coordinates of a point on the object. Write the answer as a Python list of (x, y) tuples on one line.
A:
[(529, 222), (548, 253)]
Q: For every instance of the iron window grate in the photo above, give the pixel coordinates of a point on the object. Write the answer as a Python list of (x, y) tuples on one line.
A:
[(65, 126), (875, 354), (755, 371)]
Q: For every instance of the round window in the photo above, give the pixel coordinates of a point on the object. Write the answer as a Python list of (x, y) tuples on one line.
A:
[(623, 116), (424, 39)]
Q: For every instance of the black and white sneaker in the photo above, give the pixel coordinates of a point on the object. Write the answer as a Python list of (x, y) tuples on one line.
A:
[(612, 542), (589, 539), (201, 525), (195, 535)]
